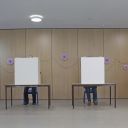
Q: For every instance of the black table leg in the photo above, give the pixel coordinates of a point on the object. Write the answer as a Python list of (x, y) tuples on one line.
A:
[(110, 95), (49, 98), (11, 96), (73, 96), (6, 97), (115, 95)]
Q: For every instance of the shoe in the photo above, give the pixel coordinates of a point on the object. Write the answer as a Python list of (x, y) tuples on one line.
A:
[(25, 103), (95, 103), (33, 103), (89, 103)]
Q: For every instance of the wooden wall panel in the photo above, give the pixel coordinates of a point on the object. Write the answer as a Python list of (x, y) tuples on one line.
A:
[(116, 48), (38, 44), (12, 44), (50, 44), (90, 43), (65, 72)]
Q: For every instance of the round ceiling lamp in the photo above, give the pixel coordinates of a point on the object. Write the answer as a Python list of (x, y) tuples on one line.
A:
[(36, 18)]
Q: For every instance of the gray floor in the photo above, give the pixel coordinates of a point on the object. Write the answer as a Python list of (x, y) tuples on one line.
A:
[(61, 115)]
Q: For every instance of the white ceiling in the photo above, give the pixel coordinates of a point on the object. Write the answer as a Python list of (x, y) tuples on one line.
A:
[(64, 13)]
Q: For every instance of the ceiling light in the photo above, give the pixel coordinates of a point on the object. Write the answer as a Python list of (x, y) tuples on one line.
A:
[(36, 18)]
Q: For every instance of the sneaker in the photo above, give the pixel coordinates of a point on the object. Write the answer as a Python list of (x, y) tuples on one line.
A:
[(89, 103), (33, 103), (25, 103), (95, 103)]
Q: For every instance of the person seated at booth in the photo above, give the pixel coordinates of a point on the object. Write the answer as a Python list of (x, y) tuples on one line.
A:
[(29, 90), (93, 90)]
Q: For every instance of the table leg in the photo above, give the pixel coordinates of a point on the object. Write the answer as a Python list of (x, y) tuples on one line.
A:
[(11, 96), (49, 98), (73, 96), (110, 95), (115, 95), (6, 97)]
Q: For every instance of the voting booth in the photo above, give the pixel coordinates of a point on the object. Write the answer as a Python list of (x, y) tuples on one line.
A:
[(27, 71), (92, 70)]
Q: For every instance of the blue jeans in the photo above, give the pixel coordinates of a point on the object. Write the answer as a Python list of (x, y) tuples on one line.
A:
[(90, 90), (26, 99)]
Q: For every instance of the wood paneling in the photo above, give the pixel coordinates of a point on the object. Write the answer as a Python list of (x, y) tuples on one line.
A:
[(90, 43), (116, 48), (38, 44), (12, 44), (65, 72), (51, 44)]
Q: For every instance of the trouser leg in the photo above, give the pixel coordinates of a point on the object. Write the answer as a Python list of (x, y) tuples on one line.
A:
[(88, 93), (26, 99), (94, 90), (34, 95)]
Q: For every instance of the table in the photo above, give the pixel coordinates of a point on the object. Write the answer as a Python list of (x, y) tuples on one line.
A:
[(97, 85), (11, 86)]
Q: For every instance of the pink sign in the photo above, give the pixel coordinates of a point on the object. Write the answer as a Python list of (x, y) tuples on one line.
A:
[(107, 60), (125, 67), (10, 61), (64, 56)]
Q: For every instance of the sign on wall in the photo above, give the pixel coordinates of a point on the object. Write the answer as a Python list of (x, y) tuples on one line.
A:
[(27, 71), (92, 70)]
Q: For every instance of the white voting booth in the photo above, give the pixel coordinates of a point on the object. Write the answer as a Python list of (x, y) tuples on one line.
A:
[(27, 71), (92, 70)]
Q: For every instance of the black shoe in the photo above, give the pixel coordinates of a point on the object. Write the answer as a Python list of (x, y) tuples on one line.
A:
[(25, 103), (89, 103), (33, 103), (95, 102)]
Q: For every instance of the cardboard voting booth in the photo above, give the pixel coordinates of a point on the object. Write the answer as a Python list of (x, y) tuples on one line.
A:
[(92, 70), (27, 71)]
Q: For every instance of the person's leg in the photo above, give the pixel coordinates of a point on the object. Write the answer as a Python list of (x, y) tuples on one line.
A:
[(34, 95), (94, 90), (26, 99), (88, 95)]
